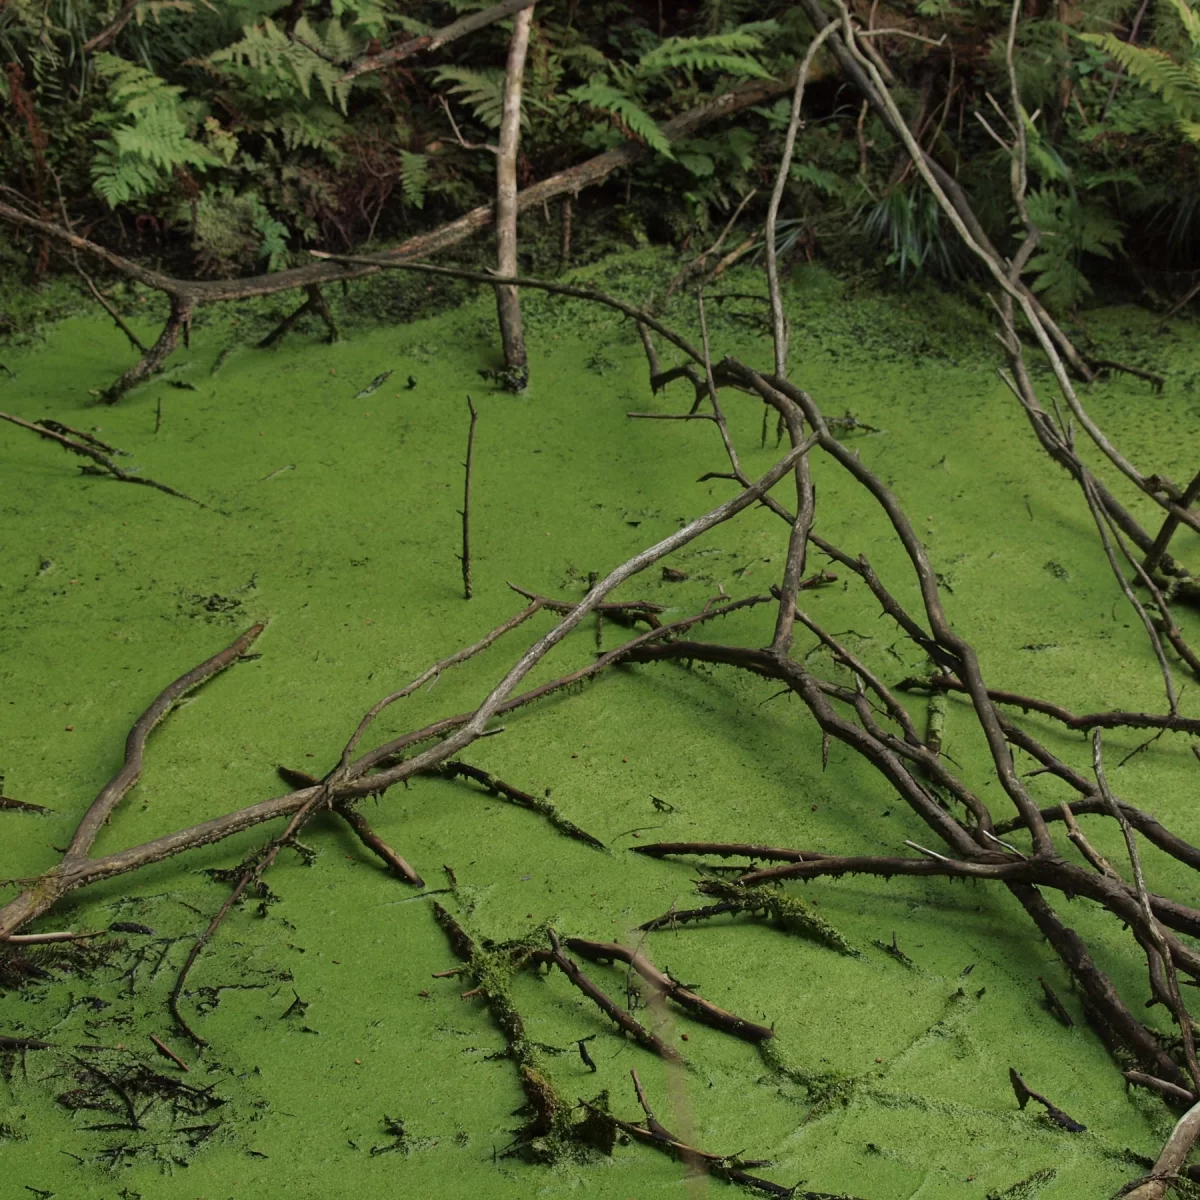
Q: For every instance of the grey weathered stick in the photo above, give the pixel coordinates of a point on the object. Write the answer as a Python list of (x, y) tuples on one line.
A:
[(135, 744), (778, 320), (56, 883), (40, 898), (1170, 1160), (508, 302), (433, 41)]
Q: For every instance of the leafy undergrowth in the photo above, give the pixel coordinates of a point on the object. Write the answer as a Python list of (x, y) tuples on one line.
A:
[(335, 1054)]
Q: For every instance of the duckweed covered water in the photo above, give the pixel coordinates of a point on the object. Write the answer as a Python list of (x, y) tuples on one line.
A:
[(337, 1062)]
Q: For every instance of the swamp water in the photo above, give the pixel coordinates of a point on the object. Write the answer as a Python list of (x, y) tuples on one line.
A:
[(337, 1063)]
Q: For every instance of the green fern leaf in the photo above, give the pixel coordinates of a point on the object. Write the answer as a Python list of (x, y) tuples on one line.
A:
[(828, 182), (414, 177), (1060, 283), (117, 180), (482, 91), (272, 237), (700, 165), (726, 52), (1190, 20), (603, 96), (1154, 69), (146, 133), (305, 57), (315, 128), (1070, 228)]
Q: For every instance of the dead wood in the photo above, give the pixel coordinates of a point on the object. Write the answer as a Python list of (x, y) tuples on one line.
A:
[(508, 303), (434, 41), (86, 447), (664, 985)]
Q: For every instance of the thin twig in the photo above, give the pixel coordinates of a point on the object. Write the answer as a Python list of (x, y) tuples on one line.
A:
[(376, 844), (1115, 719), (108, 307), (107, 463), (466, 508), (167, 1052), (626, 1022), (521, 799), (661, 982), (1179, 1009)]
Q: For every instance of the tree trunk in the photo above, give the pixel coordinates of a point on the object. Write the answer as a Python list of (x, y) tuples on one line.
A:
[(508, 304)]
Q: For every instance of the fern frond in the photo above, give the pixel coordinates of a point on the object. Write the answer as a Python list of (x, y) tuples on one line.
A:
[(155, 9), (369, 15), (828, 182), (272, 236), (303, 58), (726, 52), (1058, 280), (1190, 21), (482, 91), (147, 133), (1178, 85), (603, 96), (1070, 228), (132, 88), (316, 128), (117, 179), (159, 138), (414, 177)]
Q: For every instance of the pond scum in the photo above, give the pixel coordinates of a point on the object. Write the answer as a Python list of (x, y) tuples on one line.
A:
[(852, 1039)]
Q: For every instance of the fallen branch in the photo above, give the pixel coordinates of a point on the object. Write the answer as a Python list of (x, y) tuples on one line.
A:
[(548, 1111), (44, 429), (729, 1167), (628, 611), (22, 805), (359, 824), (1169, 1164), (624, 1020), (1087, 722), (1025, 1093), (456, 770), (662, 983), (434, 41)]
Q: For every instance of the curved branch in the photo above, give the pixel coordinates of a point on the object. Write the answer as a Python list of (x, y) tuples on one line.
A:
[(1115, 719), (131, 769)]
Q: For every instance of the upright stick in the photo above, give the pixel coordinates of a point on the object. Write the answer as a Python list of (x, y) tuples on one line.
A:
[(466, 508), (508, 305)]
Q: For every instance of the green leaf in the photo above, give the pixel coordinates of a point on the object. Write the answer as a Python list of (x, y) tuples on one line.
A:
[(482, 92), (727, 52), (414, 177), (700, 165), (285, 63), (145, 133), (602, 96)]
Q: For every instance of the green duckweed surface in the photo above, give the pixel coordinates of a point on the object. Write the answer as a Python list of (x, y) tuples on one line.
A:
[(334, 518)]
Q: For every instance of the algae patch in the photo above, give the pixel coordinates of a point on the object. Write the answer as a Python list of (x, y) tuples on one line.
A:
[(882, 1082)]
